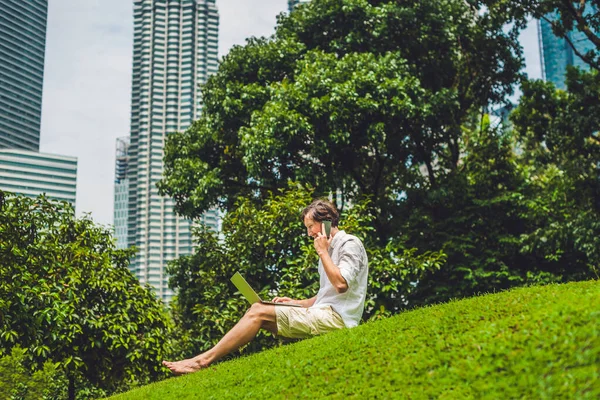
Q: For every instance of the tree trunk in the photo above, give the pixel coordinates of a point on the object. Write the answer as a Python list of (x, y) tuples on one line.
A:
[(71, 393)]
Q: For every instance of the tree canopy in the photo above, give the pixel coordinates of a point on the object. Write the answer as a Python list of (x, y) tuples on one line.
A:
[(559, 134), (353, 96), (388, 100)]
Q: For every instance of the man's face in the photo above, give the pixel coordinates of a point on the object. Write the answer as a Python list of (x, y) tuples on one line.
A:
[(312, 227)]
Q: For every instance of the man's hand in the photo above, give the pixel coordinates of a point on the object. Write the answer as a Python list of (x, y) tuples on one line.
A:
[(282, 300), (322, 243)]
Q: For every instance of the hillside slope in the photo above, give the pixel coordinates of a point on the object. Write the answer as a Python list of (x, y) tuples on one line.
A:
[(536, 342)]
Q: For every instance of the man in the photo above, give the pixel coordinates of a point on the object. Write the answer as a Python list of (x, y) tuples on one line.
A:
[(343, 270)]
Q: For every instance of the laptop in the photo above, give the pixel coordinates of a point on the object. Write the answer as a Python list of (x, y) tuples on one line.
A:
[(249, 293)]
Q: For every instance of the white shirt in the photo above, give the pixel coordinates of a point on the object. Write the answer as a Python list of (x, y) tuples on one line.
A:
[(348, 254)]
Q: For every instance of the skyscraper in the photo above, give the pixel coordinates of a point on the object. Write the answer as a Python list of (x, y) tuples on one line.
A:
[(22, 50), (556, 53), (121, 209), (294, 3), (31, 173), (174, 50)]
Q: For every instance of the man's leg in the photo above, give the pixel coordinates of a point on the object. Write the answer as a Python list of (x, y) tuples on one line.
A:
[(258, 316)]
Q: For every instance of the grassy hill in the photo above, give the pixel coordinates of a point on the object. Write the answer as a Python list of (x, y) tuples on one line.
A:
[(531, 343)]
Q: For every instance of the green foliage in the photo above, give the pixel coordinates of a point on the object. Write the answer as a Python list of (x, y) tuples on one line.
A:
[(475, 215), (268, 244), (19, 383), (507, 218), (339, 99), (558, 132), (67, 296), (348, 95), (533, 343)]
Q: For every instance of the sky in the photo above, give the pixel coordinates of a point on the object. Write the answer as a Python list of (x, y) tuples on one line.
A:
[(87, 82)]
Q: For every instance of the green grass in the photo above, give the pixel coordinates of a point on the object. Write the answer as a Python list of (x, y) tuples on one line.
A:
[(530, 343)]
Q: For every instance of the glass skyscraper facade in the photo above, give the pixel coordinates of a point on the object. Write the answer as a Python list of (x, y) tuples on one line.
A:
[(174, 50), (121, 209), (22, 50), (556, 53), (30, 173)]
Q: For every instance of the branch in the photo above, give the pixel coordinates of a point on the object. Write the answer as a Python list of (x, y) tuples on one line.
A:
[(379, 167), (585, 58), (427, 161), (455, 149), (581, 22), (358, 181)]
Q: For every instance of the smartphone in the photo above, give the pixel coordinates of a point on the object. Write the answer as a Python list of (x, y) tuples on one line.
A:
[(327, 228)]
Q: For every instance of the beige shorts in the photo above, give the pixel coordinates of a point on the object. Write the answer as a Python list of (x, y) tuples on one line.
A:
[(296, 322)]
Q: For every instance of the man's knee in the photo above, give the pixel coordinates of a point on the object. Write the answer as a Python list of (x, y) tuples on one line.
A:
[(255, 311), (261, 312)]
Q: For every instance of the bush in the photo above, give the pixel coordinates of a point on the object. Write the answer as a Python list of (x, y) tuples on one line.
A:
[(17, 382), (66, 295)]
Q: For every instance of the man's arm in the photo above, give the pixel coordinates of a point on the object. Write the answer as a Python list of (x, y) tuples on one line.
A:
[(306, 303), (333, 272)]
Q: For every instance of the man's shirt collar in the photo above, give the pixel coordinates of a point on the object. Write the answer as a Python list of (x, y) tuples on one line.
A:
[(337, 239)]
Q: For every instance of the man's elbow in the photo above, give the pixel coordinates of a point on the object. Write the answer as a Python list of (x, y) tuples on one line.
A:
[(341, 287)]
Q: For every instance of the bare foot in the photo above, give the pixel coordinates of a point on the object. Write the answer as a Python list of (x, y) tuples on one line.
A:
[(185, 366)]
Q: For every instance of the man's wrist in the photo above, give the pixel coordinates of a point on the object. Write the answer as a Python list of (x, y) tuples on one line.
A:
[(323, 253)]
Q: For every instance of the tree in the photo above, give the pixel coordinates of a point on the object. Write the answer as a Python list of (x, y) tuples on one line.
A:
[(269, 246), (522, 207), (558, 132), (67, 296), (475, 216), (529, 217), (339, 99)]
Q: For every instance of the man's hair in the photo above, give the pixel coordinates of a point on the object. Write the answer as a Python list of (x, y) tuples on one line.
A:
[(322, 210)]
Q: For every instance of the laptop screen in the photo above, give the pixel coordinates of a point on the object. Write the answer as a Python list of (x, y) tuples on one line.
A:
[(245, 289)]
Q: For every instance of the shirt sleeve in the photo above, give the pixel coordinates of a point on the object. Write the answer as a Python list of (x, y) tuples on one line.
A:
[(350, 261)]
